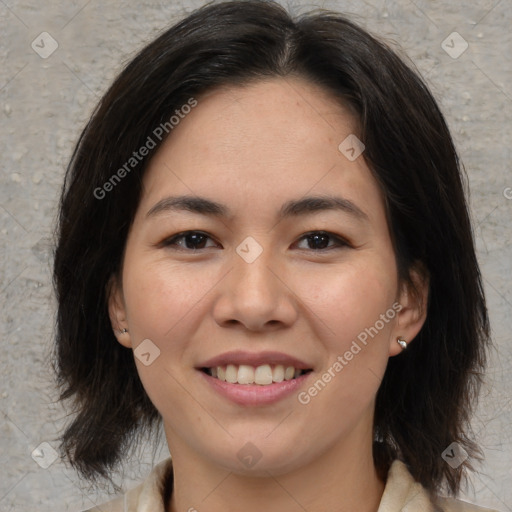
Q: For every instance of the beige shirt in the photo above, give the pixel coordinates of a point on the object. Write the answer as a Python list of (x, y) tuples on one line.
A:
[(401, 494)]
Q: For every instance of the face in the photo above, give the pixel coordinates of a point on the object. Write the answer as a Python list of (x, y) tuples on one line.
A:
[(264, 279)]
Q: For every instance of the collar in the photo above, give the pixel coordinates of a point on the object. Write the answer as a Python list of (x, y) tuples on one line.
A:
[(401, 493)]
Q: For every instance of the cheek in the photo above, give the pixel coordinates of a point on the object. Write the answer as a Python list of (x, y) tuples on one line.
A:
[(161, 301), (348, 308), (160, 297), (350, 300)]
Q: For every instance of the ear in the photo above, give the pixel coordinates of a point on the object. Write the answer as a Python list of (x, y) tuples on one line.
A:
[(413, 299), (117, 311)]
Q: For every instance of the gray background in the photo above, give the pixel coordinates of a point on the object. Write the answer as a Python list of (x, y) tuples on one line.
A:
[(44, 103)]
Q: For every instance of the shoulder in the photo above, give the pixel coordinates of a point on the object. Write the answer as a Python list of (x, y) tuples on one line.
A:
[(402, 493), (146, 496)]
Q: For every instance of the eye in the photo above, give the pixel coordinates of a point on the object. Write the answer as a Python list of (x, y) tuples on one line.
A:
[(187, 240), (319, 240), (194, 240)]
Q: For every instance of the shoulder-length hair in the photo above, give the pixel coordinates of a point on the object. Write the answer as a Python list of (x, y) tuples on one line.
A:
[(428, 393)]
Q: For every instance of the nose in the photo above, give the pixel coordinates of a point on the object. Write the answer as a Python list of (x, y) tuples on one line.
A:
[(255, 296)]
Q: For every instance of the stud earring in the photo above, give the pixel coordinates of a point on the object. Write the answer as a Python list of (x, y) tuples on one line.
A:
[(402, 343), (123, 331)]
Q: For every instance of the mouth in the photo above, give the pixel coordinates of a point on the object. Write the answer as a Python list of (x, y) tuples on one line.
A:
[(262, 375), (250, 379)]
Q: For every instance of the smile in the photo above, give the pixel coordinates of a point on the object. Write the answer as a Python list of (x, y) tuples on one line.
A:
[(262, 375)]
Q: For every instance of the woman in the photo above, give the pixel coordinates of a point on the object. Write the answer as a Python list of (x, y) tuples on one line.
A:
[(264, 242)]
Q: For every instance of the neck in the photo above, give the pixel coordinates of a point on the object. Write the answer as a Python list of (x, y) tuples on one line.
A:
[(343, 478)]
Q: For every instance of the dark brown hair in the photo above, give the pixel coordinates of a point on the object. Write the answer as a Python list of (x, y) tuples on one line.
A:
[(428, 393)]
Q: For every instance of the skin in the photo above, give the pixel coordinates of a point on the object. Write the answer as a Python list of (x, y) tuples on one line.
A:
[(253, 148)]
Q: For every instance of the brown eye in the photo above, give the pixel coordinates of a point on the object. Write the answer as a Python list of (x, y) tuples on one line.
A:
[(191, 240), (319, 240)]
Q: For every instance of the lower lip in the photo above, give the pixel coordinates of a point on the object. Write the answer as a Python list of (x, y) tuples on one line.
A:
[(254, 394)]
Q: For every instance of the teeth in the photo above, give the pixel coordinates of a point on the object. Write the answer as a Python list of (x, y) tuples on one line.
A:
[(245, 374), (231, 373), (262, 375), (278, 373)]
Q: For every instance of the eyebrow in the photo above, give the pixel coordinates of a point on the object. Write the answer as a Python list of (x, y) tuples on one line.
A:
[(293, 208)]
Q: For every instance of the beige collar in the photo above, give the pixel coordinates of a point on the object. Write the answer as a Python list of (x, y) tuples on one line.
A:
[(401, 494)]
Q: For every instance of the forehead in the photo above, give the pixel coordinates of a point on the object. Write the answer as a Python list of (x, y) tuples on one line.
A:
[(268, 140), (280, 115)]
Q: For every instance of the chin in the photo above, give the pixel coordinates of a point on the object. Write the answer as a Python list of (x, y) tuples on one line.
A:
[(260, 457)]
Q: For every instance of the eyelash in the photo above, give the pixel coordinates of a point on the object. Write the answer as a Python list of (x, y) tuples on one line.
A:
[(168, 242)]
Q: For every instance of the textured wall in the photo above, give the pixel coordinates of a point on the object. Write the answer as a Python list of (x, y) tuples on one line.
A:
[(45, 100)]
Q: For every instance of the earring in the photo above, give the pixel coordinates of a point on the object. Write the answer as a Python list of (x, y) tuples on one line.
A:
[(123, 331), (402, 343)]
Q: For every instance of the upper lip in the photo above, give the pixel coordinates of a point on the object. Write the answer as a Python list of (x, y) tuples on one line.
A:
[(239, 357)]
